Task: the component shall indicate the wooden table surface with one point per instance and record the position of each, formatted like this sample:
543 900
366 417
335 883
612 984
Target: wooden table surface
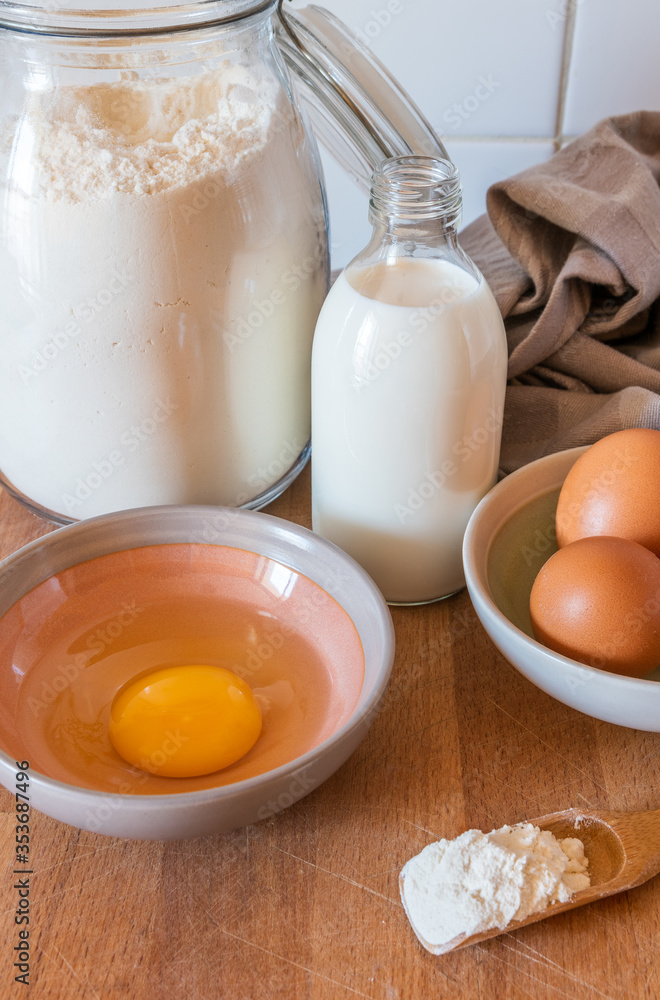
305 905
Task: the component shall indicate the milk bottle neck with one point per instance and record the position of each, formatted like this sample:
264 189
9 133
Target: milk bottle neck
391 243
420 240
415 209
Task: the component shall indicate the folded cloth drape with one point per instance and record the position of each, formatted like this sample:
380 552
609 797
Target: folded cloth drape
571 249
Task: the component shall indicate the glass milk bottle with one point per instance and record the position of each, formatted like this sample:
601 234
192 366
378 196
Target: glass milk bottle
408 380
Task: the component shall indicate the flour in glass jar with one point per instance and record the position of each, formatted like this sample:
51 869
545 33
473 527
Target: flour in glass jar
159 302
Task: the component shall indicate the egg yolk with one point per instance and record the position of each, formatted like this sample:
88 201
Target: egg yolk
181 722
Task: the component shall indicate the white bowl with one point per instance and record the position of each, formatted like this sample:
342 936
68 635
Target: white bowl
211 809
509 537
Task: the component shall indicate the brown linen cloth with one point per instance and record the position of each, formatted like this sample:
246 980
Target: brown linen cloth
571 249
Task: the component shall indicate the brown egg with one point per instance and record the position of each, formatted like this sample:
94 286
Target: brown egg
614 489
597 600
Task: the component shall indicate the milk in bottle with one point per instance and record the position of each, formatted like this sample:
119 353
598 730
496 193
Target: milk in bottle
408 381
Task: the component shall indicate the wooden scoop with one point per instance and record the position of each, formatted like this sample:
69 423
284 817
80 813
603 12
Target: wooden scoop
623 850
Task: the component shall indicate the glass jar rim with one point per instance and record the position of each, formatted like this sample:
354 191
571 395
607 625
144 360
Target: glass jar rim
105 18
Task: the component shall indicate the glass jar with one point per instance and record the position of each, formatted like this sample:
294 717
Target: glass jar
163 254
408 382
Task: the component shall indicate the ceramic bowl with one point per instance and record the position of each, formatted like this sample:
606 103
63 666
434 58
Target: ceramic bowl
509 537
86 608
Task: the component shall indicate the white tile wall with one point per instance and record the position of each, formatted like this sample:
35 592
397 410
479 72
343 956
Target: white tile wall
615 66
482 163
443 52
503 82
349 226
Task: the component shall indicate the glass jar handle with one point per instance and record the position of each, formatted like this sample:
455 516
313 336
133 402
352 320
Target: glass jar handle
356 108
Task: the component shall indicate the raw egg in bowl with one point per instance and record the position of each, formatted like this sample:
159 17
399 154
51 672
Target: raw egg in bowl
510 537
175 671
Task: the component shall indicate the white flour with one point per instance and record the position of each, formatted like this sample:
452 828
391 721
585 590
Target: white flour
158 301
145 138
478 881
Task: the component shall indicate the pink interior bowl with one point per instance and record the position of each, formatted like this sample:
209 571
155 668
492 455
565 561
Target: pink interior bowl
92 605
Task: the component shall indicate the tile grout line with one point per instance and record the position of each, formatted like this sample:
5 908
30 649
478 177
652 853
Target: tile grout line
566 60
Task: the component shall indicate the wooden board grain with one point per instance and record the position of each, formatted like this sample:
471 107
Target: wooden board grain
306 905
